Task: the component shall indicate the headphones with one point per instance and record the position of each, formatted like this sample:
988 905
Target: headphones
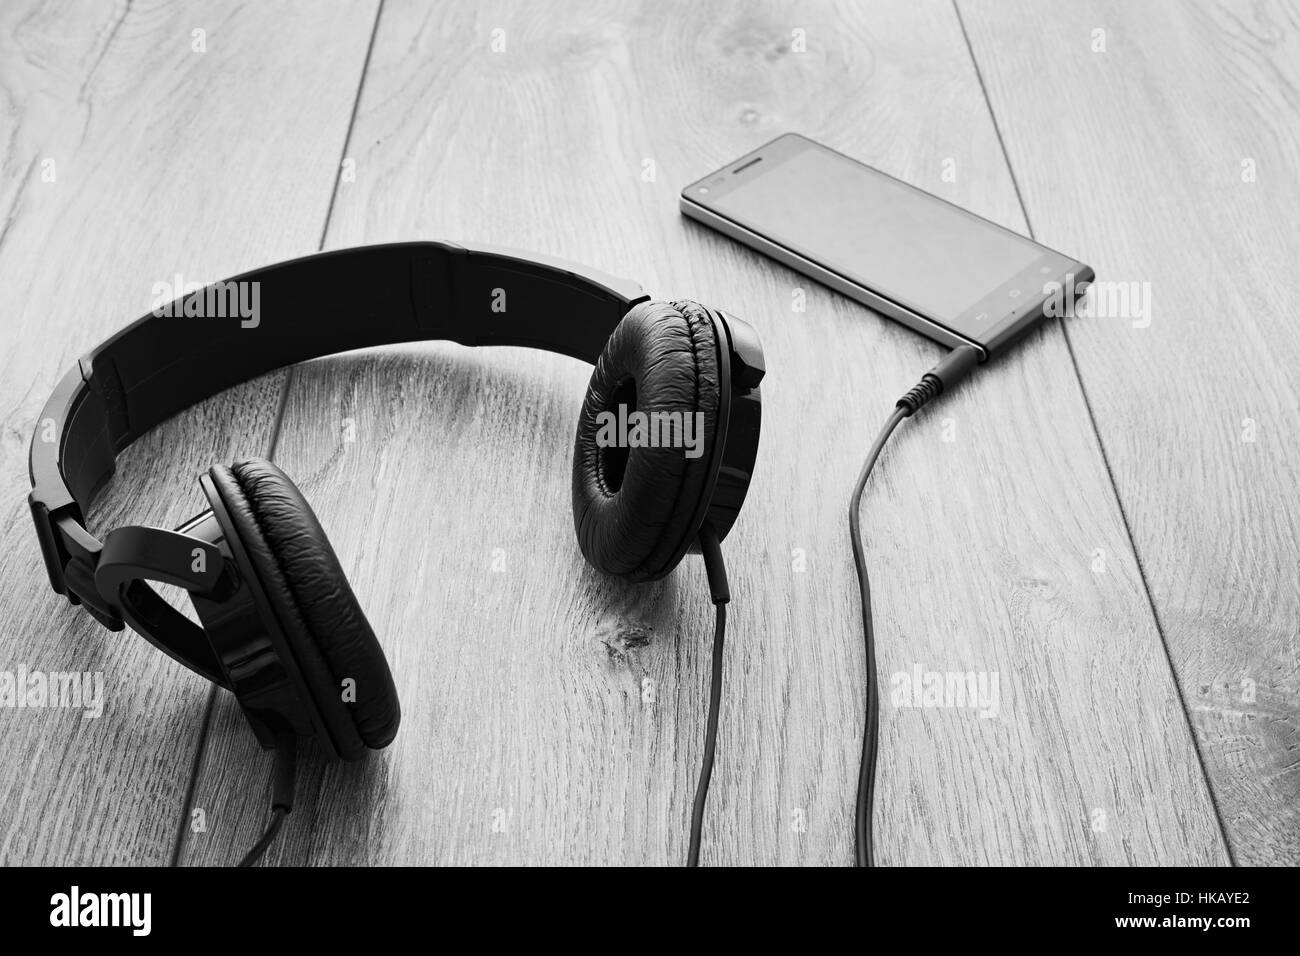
281 628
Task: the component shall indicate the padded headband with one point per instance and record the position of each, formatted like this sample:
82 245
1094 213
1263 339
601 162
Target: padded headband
306 308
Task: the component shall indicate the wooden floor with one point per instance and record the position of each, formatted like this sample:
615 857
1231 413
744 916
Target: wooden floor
1106 519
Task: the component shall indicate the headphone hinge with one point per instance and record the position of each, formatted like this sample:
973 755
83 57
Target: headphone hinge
71 554
80 581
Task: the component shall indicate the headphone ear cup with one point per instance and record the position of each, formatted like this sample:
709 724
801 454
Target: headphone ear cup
634 508
314 606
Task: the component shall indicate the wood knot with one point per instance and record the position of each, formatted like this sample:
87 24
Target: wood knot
622 640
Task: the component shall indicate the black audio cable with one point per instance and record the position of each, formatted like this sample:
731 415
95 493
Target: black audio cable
286 760
955 366
717 574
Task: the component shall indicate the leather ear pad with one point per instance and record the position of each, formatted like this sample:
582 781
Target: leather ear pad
317 611
633 507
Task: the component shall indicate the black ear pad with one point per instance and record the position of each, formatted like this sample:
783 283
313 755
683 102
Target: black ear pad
633 508
317 611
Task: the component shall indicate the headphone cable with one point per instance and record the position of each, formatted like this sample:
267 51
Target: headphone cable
955 366
286 762
716 570
871 732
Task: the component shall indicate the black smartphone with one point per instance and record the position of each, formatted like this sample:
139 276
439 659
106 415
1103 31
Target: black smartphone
945 272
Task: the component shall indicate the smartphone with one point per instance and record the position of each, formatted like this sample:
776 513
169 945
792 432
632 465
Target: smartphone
945 272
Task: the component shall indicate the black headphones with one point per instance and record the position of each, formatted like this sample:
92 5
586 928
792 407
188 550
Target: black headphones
281 627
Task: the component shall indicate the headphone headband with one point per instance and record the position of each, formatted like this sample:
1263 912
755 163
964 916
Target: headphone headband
305 308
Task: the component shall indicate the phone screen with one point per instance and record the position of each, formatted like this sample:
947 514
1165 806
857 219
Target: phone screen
906 246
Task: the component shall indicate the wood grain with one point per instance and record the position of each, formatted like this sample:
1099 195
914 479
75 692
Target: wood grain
1198 410
126 156
527 735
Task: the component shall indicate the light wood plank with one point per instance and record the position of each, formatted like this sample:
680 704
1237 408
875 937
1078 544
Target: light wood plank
165 160
522 689
1198 412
